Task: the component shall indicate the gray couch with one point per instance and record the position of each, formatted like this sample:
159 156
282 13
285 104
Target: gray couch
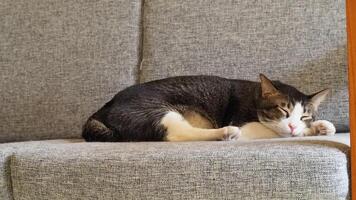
61 60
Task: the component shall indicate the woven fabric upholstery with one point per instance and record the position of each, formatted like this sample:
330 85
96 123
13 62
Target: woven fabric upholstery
7 150
5 175
62 60
271 169
302 43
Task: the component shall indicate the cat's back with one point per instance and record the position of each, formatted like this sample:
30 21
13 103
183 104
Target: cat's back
179 86
187 81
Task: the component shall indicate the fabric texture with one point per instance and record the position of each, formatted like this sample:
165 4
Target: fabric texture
302 43
9 150
5 173
62 60
266 169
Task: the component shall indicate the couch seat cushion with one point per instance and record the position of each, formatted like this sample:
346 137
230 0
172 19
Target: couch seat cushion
303 168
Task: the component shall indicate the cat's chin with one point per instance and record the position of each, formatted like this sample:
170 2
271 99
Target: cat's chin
285 135
279 131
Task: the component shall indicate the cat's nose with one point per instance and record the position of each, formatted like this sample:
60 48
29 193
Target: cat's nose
292 127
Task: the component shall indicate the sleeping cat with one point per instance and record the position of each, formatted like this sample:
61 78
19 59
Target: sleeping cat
203 108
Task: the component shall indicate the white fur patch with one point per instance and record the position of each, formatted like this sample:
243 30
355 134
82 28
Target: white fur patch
256 130
179 129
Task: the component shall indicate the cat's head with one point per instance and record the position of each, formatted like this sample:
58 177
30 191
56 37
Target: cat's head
284 109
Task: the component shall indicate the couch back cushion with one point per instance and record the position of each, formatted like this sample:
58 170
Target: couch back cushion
302 43
62 60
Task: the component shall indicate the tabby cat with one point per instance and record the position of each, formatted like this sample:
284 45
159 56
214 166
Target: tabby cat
203 108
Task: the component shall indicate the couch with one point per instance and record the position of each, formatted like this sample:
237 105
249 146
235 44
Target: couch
61 60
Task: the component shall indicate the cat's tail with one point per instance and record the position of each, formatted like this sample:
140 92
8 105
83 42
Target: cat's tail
96 131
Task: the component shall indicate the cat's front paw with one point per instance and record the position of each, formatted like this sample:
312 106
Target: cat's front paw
231 133
323 127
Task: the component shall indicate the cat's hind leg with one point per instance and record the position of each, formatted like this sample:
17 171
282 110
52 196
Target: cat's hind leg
179 129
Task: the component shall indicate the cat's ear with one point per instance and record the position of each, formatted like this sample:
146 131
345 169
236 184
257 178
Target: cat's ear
267 87
317 98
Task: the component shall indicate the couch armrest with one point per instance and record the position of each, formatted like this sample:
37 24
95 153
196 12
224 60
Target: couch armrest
351 30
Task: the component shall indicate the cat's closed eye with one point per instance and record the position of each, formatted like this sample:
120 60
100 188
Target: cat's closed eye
305 118
286 113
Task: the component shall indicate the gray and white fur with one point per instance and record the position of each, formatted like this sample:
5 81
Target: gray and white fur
206 108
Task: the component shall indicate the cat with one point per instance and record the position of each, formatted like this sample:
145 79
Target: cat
207 108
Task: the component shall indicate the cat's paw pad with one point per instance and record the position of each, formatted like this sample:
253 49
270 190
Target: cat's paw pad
231 133
324 127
